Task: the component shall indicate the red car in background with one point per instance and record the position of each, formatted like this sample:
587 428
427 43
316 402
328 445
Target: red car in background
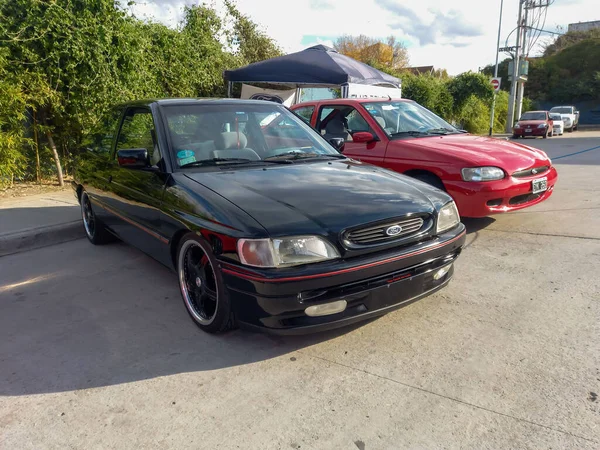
484 175
534 124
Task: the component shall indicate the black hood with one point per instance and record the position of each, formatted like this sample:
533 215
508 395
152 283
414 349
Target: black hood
319 197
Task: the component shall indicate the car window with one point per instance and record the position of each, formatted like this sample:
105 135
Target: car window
533 116
137 131
305 113
100 140
562 110
239 133
407 119
341 121
555 117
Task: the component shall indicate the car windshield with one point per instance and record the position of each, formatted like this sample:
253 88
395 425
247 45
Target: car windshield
400 119
555 117
562 110
533 116
241 133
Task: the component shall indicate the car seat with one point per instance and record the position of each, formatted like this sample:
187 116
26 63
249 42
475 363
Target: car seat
233 145
335 129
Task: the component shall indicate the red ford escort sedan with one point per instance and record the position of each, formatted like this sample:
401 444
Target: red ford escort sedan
484 176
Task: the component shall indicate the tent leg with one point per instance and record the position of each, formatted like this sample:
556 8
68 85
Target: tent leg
229 88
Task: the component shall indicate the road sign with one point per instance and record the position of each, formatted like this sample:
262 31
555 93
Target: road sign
496 83
508 49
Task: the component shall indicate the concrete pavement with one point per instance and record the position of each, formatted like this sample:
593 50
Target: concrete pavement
38 220
97 350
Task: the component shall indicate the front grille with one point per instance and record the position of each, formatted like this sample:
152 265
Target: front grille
379 233
530 172
524 198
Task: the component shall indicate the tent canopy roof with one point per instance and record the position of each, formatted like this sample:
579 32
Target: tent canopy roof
314 66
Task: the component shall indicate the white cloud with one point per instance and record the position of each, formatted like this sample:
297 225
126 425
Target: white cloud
458 35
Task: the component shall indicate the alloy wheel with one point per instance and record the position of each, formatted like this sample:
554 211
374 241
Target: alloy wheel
89 220
198 284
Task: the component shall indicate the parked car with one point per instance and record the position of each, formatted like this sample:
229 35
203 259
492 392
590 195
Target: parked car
558 125
266 226
534 124
484 175
570 116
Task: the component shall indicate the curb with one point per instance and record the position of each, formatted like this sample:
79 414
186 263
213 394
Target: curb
32 238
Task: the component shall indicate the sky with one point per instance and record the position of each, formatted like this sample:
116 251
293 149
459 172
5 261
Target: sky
456 35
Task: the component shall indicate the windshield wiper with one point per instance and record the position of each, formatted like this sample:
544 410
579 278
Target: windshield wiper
290 156
410 133
215 161
441 131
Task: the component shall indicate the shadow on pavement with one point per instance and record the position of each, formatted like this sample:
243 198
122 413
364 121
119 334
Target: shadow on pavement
477 224
91 317
15 219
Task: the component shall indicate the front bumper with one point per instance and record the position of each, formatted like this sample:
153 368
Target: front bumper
522 132
494 197
275 301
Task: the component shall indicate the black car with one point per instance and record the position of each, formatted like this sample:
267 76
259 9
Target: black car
266 224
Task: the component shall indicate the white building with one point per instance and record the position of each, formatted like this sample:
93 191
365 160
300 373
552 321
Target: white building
584 26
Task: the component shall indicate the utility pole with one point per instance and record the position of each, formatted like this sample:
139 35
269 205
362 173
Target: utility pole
521 83
515 75
496 69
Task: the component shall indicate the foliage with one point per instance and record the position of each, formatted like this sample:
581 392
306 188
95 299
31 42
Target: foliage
66 61
474 115
466 86
391 53
430 92
566 73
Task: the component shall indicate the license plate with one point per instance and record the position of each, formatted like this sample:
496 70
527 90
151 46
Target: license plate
539 185
528 130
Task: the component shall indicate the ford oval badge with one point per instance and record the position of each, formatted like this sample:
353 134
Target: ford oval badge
267 97
393 230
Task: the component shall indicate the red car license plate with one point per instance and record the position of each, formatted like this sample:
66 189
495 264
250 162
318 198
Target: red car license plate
539 185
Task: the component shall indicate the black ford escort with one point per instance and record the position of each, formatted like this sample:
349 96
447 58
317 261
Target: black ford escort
266 224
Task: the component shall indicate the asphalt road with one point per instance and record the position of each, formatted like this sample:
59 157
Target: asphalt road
97 351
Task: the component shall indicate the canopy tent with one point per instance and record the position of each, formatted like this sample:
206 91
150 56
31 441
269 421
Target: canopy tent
317 66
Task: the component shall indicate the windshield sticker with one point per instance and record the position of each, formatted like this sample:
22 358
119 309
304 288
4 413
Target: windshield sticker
389 107
188 160
185 154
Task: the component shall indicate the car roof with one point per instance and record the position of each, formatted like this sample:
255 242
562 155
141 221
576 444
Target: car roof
192 101
535 112
334 101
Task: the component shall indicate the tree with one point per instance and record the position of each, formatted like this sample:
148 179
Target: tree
252 44
64 62
390 53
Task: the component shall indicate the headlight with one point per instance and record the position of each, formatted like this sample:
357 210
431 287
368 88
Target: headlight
283 252
447 217
517 125
482 173
542 125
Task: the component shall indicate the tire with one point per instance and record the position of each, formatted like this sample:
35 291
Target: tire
515 136
95 230
430 179
570 130
201 285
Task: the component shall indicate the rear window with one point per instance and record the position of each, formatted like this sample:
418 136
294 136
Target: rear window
533 116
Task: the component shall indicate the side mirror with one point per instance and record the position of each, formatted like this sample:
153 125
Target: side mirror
363 136
133 158
338 144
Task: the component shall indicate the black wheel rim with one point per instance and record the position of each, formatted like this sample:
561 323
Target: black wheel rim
198 283
89 221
